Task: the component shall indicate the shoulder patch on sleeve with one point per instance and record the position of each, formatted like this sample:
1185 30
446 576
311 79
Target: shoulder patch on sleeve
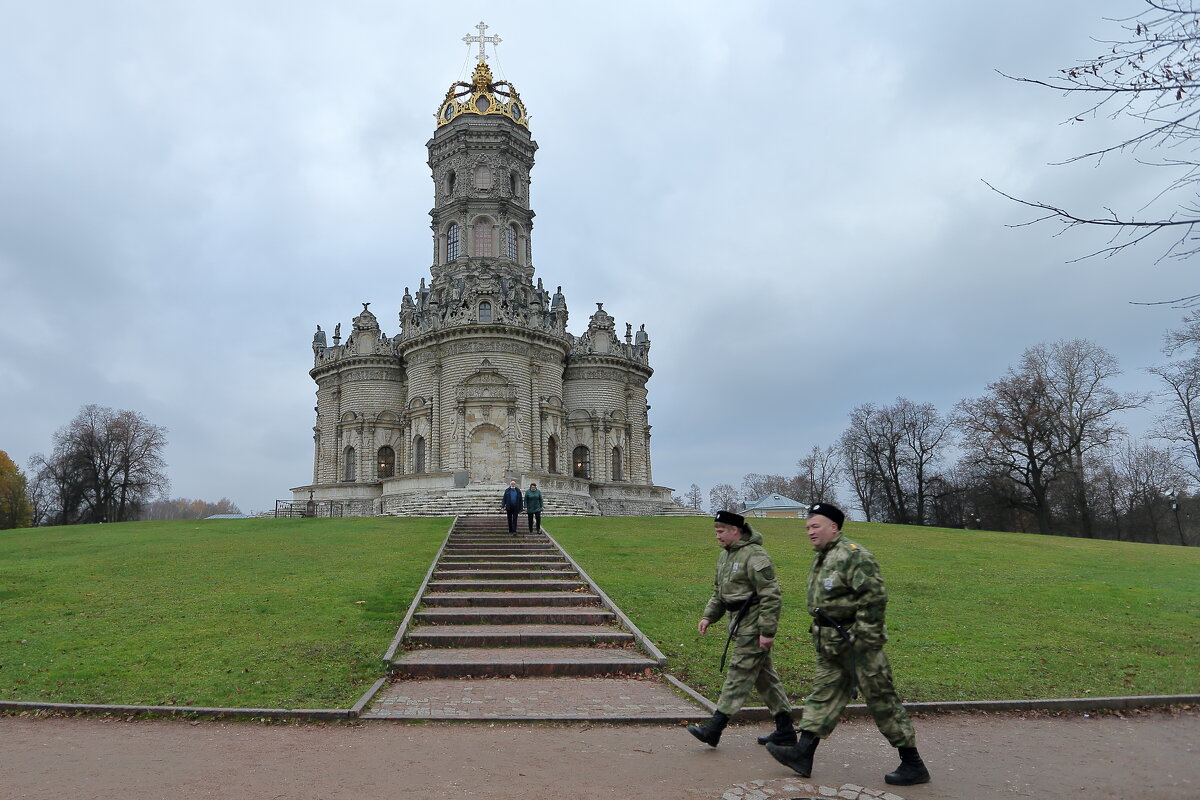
760 561
853 546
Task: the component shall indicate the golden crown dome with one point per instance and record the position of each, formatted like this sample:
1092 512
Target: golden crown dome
483 96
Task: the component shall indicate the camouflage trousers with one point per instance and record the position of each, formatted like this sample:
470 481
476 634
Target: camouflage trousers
750 668
837 667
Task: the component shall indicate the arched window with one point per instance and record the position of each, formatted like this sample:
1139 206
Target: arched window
485 311
452 242
350 471
552 454
616 465
483 177
451 182
419 454
581 462
482 231
510 242
386 462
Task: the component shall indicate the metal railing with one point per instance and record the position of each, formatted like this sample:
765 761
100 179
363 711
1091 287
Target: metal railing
310 508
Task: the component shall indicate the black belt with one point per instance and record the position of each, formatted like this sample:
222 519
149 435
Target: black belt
832 622
735 606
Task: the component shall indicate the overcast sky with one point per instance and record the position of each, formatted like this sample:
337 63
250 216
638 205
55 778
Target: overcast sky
777 190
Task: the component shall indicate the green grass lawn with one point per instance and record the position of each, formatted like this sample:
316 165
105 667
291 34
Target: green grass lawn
298 613
249 613
972 615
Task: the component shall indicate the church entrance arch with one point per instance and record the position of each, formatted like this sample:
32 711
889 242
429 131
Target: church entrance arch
489 457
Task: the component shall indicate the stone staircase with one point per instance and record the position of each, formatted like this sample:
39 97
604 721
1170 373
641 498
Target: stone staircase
499 605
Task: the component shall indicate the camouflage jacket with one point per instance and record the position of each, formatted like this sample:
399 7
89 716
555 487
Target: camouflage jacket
846 584
744 571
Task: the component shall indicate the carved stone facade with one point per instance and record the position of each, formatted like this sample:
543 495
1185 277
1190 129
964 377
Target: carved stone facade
483 383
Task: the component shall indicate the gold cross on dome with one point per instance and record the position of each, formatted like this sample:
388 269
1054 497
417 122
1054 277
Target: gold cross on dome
482 40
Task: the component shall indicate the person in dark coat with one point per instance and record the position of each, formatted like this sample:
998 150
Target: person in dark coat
511 503
533 508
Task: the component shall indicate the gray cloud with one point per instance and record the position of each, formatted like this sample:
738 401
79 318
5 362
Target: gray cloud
189 188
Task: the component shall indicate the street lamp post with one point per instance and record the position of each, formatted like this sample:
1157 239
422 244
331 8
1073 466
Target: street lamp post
1175 507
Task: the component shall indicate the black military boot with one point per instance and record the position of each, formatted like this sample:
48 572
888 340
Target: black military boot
710 732
784 733
911 770
799 756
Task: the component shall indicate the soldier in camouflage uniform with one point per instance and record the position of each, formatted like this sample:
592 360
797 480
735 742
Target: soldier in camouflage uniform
847 599
746 589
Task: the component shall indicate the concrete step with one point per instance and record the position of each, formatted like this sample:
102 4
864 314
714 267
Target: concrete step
522 615
532 635
502 574
520 661
513 586
496 558
508 599
456 566
516 550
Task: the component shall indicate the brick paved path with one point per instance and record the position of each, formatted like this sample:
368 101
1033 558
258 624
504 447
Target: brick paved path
509 629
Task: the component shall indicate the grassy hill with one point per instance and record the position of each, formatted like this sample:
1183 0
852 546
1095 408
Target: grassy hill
251 613
298 613
971 614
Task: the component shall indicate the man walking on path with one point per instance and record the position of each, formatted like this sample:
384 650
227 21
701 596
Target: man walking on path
533 508
746 588
847 599
511 503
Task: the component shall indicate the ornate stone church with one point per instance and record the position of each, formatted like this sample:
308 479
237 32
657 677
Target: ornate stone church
484 383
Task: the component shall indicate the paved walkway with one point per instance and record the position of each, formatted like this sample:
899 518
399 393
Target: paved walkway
615 699
1154 756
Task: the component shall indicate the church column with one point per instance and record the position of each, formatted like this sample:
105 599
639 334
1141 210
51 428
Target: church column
607 454
316 454
462 434
372 450
543 461
595 451
433 453
511 436
649 470
405 445
536 445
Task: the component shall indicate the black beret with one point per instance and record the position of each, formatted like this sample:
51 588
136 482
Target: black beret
830 512
730 518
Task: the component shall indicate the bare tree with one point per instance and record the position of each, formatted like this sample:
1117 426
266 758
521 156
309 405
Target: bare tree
1149 475
1010 433
105 466
182 508
1074 374
1179 421
895 448
693 498
755 486
1148 73
862 476
38 490
873 443
822 469
723 497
